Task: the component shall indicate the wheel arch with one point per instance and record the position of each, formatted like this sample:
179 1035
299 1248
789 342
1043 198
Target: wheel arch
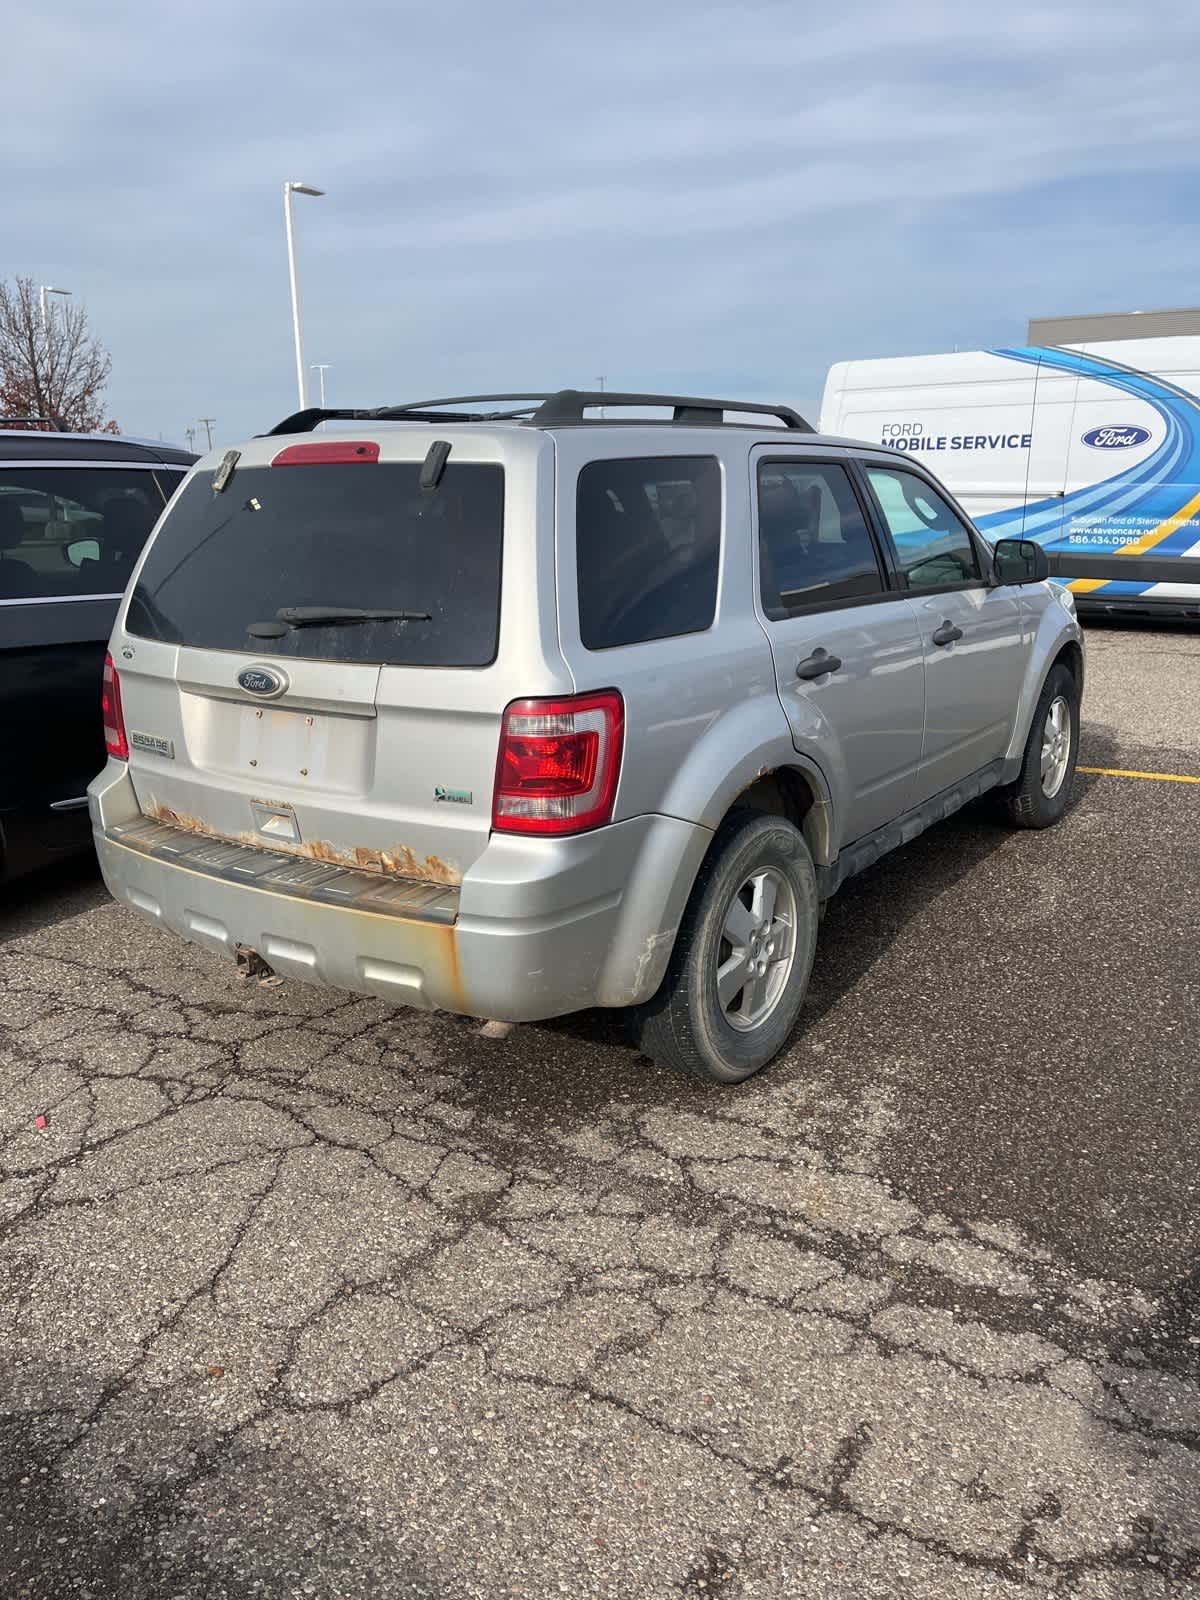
1071 657
797 794
794 790
1057 644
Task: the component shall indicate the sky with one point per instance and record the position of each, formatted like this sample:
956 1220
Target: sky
677 195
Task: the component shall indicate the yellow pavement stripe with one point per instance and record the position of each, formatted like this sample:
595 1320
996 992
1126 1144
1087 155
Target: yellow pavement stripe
1164 529
1120 772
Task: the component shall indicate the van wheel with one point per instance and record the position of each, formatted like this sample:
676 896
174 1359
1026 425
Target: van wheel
1040 794
742 958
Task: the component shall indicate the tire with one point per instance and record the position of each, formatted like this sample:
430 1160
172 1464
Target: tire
1039 796
689 1025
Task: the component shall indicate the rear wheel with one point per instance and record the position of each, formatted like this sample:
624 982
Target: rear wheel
1040 794
742 958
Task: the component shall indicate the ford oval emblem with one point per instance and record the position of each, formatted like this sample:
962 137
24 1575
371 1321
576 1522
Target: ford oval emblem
263 681
1116 437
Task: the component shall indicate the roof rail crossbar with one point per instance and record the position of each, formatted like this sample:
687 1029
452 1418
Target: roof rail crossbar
418 411
543 410
433 414
469 400
569 405
305 421
435 410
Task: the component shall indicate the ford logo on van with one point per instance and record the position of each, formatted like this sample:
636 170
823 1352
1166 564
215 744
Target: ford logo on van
1116 437
264 681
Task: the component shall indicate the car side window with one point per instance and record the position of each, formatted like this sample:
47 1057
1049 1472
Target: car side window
647 548
68 532
934 550
814 546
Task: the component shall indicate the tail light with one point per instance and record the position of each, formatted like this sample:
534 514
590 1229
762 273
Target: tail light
558 764
115 741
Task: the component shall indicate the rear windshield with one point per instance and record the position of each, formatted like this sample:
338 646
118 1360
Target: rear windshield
75 532
367 537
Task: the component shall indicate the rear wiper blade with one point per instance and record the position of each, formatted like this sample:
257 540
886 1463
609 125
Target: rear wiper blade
303 616
314 616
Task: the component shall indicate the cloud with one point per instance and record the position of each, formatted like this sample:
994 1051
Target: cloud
531 194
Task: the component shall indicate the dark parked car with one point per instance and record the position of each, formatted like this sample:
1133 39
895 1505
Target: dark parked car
75 510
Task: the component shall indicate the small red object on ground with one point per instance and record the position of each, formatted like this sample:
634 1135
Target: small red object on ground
41 1123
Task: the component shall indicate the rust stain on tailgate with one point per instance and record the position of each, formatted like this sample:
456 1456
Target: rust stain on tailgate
398 862
176 819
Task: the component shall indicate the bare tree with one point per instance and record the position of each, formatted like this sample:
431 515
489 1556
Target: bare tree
55 370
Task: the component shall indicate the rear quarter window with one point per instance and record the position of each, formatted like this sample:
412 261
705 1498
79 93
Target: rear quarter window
647 548
75 532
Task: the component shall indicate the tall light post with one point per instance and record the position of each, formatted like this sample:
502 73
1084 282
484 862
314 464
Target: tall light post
289 189
206 423
190 435
600 381
43 291
322 367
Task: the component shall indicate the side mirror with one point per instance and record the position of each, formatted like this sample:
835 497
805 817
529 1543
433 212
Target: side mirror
1020 561
83 550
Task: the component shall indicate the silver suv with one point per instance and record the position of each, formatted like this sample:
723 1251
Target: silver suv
548 710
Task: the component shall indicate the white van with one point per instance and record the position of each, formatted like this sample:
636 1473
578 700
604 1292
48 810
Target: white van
1091 449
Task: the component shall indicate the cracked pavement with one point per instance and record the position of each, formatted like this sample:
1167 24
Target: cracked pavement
305 1296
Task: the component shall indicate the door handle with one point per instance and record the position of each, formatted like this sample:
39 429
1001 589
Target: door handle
947 633
817 665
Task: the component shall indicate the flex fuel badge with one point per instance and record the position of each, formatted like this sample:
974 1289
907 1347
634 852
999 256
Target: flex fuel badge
458 797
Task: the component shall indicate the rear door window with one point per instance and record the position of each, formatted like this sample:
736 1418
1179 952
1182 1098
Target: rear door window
647 548
332 536
75 532
814 546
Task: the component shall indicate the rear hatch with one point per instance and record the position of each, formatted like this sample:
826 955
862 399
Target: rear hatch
261 709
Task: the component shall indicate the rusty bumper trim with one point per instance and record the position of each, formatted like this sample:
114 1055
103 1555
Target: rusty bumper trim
288 875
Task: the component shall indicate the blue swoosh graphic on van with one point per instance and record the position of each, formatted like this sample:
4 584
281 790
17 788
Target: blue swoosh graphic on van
1160 492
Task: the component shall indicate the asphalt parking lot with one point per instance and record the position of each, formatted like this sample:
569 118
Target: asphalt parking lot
303 1296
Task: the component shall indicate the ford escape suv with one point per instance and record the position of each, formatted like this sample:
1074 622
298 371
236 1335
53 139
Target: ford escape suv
509 707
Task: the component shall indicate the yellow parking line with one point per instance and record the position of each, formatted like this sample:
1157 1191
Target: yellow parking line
1120 772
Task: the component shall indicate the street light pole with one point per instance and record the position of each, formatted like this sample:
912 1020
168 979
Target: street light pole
208 422
43 291
190 435
289 189
322 367
600 381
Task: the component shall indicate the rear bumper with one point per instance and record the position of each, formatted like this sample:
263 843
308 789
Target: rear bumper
541 926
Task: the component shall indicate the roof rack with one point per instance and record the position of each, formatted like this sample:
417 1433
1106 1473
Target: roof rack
35 424
543 410
569 405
